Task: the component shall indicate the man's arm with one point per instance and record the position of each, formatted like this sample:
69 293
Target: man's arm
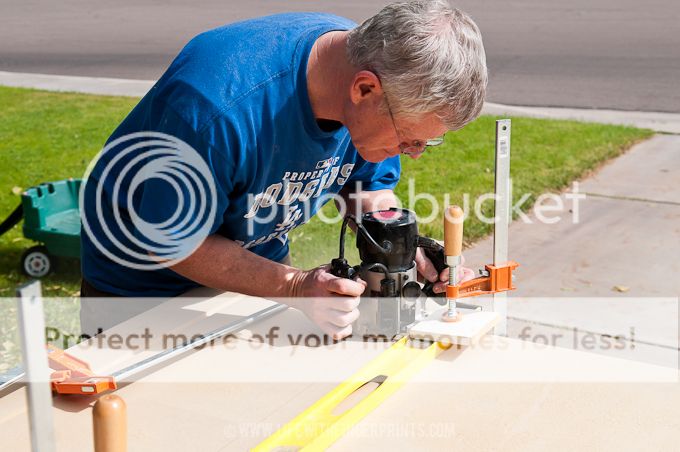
221 263
329 301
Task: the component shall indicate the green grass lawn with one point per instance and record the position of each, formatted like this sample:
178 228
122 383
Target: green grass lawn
44 137
47 136
547 156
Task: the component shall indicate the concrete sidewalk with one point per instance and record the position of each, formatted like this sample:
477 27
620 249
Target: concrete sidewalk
75 84
624 250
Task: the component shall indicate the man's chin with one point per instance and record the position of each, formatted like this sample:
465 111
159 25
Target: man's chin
374 156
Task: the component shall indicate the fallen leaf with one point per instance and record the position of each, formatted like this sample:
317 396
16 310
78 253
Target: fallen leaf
620 289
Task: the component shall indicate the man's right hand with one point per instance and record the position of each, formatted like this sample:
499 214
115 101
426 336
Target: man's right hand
329 301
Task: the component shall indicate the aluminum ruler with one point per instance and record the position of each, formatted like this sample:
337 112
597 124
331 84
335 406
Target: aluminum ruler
17 376
502 216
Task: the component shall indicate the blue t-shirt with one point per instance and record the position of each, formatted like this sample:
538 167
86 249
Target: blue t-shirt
238 96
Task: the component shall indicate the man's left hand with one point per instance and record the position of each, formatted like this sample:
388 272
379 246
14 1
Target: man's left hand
427 270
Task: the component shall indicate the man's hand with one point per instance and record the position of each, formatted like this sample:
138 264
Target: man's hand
330 302
427 270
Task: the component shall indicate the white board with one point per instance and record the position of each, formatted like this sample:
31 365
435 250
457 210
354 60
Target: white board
465 331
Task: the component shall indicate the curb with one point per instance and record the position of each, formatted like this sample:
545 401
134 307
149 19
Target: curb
75 84
657 121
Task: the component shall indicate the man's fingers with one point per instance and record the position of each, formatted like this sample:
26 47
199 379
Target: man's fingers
439 287
342 319
336 332
344 286
425 266
463 273
344 304
466 274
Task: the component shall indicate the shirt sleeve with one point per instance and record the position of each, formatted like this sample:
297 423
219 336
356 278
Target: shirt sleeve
375 176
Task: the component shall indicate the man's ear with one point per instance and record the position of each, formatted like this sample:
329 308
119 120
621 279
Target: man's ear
365 85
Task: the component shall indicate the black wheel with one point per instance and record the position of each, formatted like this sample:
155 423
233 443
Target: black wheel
36 262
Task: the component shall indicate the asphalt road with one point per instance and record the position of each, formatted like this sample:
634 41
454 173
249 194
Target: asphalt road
616 54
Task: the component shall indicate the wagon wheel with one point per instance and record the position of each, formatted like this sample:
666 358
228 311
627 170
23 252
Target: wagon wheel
36 262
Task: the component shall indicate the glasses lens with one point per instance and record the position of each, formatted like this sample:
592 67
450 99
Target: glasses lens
434 141
419 148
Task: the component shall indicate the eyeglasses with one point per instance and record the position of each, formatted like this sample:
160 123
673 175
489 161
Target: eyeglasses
416 147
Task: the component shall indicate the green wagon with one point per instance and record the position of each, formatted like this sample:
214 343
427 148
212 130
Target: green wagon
51 217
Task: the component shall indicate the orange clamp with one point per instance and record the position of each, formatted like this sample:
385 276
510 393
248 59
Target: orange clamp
498 280
74 376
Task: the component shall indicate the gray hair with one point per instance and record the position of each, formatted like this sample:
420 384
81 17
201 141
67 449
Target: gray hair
429 57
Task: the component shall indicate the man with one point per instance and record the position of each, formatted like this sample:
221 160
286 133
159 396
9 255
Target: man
284 111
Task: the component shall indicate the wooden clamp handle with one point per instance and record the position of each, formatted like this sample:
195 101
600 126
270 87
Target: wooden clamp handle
453 231
109 417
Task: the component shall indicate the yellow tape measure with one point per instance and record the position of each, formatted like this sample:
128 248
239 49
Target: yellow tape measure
323 423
